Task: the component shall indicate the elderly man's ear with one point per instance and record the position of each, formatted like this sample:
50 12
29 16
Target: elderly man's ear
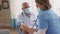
22 8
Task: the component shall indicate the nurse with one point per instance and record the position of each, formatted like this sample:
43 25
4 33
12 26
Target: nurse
25 19
48 20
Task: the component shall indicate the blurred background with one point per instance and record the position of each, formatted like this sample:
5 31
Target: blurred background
10 9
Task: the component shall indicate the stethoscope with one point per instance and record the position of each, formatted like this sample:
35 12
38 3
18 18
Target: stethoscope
35 22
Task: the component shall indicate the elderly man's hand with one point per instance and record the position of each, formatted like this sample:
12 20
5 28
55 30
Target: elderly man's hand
22 27
30 30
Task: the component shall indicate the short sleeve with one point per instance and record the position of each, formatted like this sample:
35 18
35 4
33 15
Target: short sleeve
19 20
43 22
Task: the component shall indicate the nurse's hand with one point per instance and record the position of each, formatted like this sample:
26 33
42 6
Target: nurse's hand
34 30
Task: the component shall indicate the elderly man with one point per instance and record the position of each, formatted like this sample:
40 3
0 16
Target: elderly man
26 20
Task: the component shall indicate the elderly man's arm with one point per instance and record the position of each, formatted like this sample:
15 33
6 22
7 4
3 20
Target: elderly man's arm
19 20
25 28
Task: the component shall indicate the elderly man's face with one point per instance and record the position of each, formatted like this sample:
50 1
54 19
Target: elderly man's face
25 5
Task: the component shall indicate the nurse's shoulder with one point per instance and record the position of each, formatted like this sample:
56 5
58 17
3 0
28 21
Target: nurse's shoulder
47 11
48 14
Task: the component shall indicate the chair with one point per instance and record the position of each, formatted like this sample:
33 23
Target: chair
4 32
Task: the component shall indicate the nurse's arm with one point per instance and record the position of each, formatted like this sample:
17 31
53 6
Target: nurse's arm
43 23
42 31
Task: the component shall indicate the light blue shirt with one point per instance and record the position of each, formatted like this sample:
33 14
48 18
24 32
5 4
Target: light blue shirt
28 21
50 21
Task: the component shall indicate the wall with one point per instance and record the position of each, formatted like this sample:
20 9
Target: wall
5 18
57 7
16 6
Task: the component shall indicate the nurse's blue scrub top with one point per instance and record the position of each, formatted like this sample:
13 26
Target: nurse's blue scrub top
50 21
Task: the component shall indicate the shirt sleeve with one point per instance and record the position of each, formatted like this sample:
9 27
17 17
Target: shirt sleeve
19 20
43 22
